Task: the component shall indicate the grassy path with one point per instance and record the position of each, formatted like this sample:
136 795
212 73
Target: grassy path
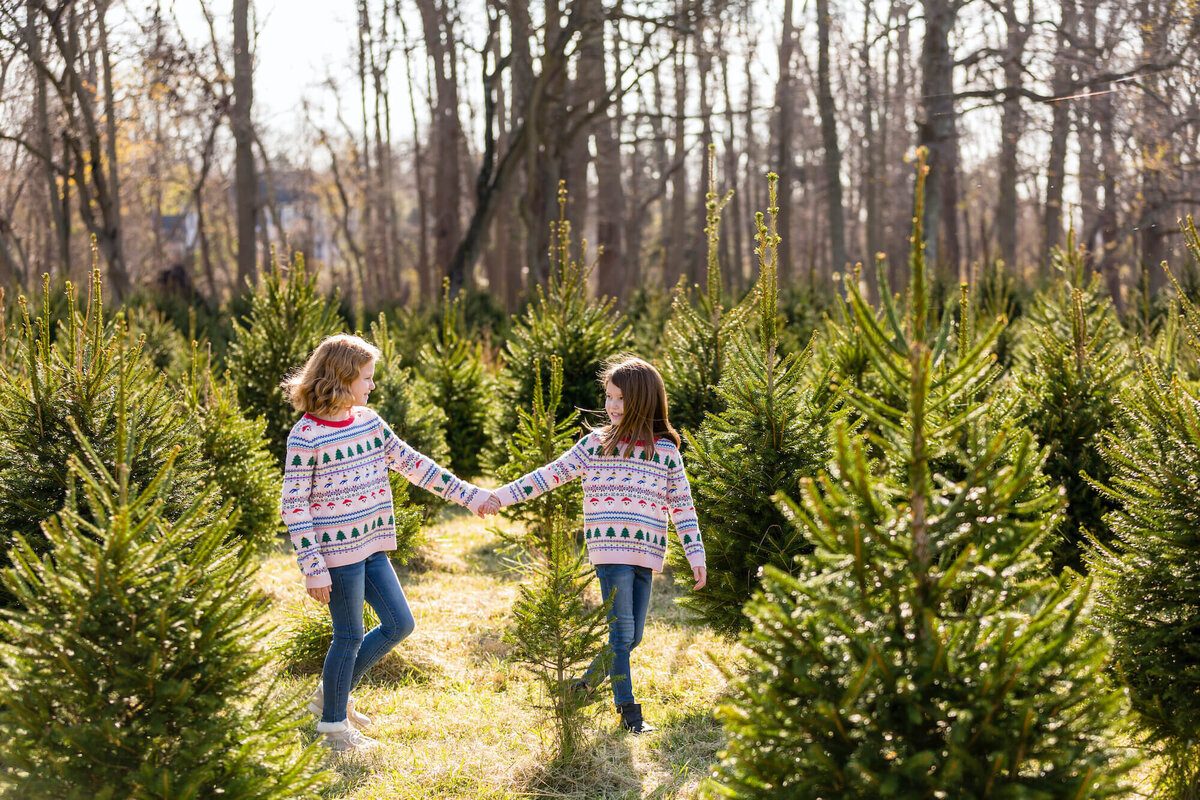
458 720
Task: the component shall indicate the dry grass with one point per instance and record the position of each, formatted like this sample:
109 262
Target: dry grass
456 720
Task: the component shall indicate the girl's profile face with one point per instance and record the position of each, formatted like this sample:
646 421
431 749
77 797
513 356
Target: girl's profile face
362 385
614 402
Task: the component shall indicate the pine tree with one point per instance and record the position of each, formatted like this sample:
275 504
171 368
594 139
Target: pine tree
69 381
288 317
539 439
922 651
234 452
131 666
1069 369
770 434
1150 577
560 321
697 336
406 401
454 369
555 636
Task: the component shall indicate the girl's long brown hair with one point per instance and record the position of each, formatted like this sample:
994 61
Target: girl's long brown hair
645 416
322 386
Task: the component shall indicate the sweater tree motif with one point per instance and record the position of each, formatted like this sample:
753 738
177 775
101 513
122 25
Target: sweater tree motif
626 501
337 503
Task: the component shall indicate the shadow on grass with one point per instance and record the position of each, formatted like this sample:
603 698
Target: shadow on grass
685 746
602 769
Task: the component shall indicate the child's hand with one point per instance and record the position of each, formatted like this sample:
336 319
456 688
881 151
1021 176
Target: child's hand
492 506
701 576
320 594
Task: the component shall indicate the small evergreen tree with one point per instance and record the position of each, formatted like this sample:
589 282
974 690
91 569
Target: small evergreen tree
921 651
68 382
288 317
770 434
131 668
1150 578
234 451
560 321
407 402
539 439
555 636
697 336
1068 371
454 369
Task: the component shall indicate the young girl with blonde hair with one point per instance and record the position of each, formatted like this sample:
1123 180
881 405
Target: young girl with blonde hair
633 481
337 505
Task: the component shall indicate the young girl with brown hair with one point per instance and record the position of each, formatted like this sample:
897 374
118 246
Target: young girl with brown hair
633 481
337 505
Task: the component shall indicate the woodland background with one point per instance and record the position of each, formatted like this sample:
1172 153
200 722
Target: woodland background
438 150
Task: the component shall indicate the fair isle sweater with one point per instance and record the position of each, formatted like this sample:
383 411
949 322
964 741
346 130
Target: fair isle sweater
337 503
626 501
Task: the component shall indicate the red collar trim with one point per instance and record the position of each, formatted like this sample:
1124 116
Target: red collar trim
341 423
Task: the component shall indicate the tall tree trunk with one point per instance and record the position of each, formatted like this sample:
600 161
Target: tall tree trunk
610 194
785 109
675 261
447 132
55 200
1155 152
111 134
872 151
1060 120
704 60
1011 124
936 132
829 139
734 271
425 281
245 180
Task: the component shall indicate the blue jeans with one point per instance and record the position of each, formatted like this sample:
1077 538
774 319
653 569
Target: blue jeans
629 586
351 653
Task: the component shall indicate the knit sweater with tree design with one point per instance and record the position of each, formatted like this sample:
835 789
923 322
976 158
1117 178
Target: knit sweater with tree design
337 503
626 501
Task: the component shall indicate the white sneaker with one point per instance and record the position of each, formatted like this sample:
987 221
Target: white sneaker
316 705
341 737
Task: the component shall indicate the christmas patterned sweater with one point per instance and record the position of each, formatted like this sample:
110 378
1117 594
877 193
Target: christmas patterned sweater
626 501
337 503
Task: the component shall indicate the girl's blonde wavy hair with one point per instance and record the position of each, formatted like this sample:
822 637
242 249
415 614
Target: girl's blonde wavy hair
322 385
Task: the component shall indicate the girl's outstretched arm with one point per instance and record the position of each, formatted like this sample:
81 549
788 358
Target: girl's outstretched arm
421 470
564 469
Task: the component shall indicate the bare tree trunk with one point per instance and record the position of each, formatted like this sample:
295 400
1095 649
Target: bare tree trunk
936 132
872 151
1011 124
1059 131
111 133
1156 154
55 200
610 194
675 260
829 139
704 61
785 107
447 133
734 271
246 181
425 288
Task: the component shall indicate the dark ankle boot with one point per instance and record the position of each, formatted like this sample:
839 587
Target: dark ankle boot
631 718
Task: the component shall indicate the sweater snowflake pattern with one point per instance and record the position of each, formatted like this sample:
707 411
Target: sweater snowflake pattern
626 501
337 503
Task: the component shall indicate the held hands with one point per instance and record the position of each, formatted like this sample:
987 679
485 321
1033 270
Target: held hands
491 506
